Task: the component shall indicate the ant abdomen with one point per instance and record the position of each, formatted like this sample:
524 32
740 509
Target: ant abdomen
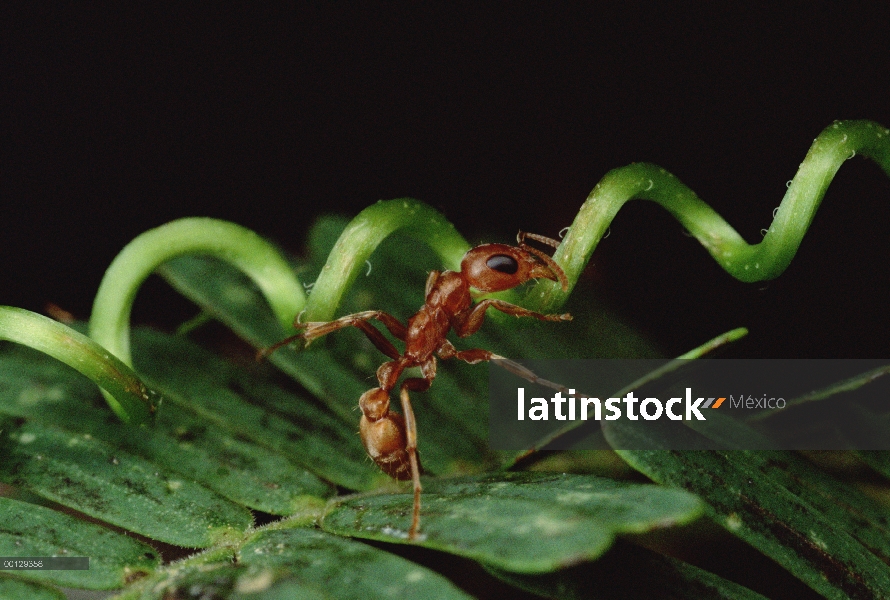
386 442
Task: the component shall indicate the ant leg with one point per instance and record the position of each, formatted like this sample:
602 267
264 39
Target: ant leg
518 311
527 374
380 342
469 323
471 356
264 352
417 385
317 329
522 235
477 355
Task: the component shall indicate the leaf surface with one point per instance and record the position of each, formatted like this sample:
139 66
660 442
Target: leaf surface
631 573
112 485
825 533
12 588
302 562
31 530
46 391
524 522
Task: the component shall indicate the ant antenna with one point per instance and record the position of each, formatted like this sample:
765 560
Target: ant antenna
547 259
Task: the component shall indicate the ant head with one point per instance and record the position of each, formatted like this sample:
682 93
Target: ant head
498 267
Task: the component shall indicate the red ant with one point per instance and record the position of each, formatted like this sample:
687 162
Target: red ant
390 438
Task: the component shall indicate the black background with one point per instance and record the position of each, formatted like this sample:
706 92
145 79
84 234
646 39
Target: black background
503 117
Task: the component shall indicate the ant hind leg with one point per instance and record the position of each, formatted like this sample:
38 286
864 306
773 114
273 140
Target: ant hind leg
415 384
316 329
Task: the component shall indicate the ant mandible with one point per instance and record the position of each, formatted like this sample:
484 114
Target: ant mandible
391 438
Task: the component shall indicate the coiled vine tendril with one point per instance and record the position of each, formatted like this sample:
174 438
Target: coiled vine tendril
839 142
109 323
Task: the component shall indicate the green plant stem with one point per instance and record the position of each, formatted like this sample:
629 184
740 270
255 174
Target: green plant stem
110 320
748 262
365 232
130 399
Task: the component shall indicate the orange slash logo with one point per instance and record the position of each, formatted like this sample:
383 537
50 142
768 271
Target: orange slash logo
711 404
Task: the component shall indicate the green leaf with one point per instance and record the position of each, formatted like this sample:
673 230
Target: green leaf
524 522
847 385
32 530
110 484
879 460
631 573
224 580
305 563
244 406
43 390
825 533
17 589
318 557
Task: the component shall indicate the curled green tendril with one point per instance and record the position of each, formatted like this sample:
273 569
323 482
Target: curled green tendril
748 262
130 399
365 232
110 320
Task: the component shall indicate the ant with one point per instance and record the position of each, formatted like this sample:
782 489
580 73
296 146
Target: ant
391 438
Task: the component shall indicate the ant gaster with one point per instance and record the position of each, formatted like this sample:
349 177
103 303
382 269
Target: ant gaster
391 438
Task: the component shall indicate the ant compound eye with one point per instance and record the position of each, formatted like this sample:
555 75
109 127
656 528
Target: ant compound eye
503 263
